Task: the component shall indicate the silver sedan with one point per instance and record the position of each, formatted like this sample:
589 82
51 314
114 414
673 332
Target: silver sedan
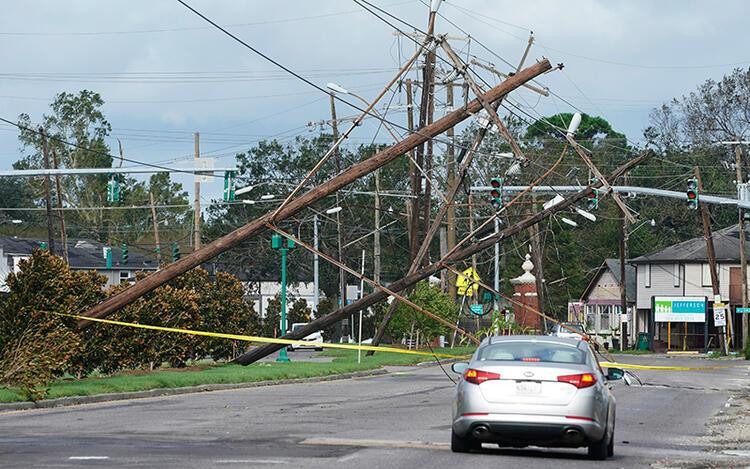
534 390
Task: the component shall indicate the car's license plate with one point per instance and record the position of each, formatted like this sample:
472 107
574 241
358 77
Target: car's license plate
528 387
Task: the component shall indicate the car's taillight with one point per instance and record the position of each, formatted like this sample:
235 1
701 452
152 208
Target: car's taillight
582 380
478 376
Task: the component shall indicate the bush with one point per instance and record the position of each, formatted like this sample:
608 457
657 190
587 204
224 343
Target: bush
406 320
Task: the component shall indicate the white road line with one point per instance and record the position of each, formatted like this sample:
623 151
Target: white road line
376 443
88 458
251 461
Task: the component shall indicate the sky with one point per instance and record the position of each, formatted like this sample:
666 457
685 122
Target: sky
164 73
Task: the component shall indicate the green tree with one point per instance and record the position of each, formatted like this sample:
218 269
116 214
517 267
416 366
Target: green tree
407 320
38 343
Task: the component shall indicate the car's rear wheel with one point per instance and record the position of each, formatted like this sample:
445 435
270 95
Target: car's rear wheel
600 450
463 444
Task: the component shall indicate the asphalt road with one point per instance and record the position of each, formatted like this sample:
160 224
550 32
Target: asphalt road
397 420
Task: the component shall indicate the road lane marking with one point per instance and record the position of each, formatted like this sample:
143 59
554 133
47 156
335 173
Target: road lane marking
251 461
367 443
88 458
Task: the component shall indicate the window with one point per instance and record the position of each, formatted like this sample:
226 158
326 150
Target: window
124 276
604 320
676 275
647 280
528 351
705 275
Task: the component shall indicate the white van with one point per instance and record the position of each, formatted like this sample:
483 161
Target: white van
314 337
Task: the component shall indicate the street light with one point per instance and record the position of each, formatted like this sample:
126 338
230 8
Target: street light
333 210
651 222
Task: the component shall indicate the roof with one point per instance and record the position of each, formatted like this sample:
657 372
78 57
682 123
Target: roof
613 265
82 254
726 245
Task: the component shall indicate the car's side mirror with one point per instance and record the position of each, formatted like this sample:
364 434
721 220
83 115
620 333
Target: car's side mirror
459 367
614 374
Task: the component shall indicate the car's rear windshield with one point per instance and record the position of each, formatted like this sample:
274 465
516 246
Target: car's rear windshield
568 327
297 327
532 352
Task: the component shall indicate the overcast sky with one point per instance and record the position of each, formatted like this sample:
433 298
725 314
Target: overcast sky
164 73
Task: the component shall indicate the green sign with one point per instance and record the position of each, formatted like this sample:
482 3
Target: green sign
679 309
743 310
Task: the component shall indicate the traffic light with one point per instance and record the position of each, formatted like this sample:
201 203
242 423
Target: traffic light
692 193
593 200
175 252
124 254
113 188
496 193
229 186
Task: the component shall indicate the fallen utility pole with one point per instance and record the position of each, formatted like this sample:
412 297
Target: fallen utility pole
354 172
456 256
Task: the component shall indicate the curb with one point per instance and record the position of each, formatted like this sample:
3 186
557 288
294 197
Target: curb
121 396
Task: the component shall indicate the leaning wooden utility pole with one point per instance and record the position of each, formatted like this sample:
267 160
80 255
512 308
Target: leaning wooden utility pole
197 200
425 272
47 194
743 252
711 253
60 211
315 194
157 247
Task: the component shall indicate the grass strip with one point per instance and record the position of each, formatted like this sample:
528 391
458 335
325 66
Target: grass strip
344 361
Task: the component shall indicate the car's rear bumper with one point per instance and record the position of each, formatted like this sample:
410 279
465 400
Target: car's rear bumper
521 430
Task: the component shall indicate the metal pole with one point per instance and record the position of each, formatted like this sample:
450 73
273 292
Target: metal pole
361 295
60 212
623 285
316 266
496 305
282 353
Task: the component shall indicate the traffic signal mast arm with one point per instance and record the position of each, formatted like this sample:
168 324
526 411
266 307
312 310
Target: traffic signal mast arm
354 172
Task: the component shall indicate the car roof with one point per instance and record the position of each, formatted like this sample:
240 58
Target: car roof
534 338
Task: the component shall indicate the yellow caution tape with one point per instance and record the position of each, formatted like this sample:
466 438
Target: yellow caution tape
267 340
658 367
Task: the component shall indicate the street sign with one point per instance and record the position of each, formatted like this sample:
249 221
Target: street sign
743 310
679 309
720 316
466 282
477 309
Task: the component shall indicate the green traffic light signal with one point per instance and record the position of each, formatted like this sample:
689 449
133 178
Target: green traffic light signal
692 193
593 200
124 254
496 192
175 252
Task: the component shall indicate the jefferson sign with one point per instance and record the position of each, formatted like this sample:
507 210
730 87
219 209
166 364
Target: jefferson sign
679 309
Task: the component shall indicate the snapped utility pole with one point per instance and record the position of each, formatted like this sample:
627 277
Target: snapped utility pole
313 195
425 272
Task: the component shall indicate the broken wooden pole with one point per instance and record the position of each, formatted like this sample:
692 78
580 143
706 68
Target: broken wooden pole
354 172
411 279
